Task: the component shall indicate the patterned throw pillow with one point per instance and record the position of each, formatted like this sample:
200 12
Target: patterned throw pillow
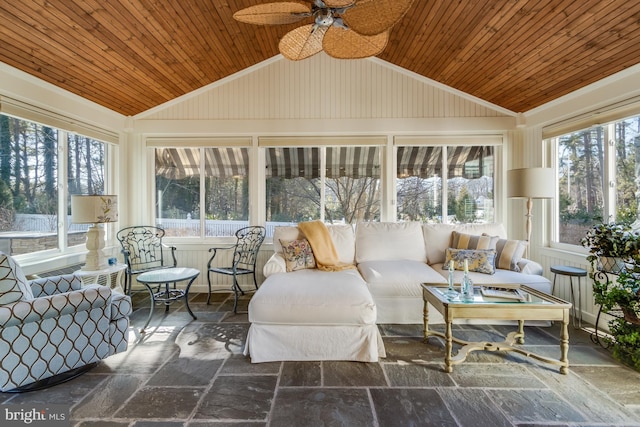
14 286
298 254
509 253
479 260
472 241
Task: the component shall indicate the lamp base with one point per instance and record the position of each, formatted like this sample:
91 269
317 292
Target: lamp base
95 242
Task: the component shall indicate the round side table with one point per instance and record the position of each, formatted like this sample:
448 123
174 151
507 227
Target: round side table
571 272
110 276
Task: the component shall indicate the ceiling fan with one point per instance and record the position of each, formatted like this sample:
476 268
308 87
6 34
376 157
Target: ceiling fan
344 29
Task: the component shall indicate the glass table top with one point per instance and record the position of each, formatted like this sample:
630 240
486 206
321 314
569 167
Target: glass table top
532 297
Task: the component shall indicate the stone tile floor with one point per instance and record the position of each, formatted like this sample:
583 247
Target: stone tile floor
192 373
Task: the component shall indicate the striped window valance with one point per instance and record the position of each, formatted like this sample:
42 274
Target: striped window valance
178 163
343 161
304 162
426 161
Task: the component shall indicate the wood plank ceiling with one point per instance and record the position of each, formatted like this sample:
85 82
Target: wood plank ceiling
132 55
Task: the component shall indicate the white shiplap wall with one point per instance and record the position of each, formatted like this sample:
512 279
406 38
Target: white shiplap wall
324 88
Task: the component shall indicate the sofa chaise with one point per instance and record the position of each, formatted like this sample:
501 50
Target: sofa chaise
309 314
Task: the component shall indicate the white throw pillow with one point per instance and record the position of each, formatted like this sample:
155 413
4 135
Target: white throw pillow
376 241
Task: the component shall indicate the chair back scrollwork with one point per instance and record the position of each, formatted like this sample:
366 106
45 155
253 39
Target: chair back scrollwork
144 250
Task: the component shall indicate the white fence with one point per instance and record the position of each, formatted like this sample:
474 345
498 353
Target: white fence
187 227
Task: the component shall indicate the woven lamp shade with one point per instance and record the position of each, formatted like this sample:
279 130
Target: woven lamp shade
347 44
370 17
272 13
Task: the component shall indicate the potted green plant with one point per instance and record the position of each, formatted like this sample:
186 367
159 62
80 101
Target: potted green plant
611 245
625 342
623 293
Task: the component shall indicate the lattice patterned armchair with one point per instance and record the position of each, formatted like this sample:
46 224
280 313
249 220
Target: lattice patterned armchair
53 326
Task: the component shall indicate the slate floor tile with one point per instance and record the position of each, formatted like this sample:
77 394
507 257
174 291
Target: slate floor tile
312 407
186 371
473 408
67 393
416 375
595 404
495 376
410 407
534 406
106 399
161 402
413 349
620 383
240 364
102 423
301 374
238 398
353 374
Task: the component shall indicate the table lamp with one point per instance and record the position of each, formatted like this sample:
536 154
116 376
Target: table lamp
531 183
96 210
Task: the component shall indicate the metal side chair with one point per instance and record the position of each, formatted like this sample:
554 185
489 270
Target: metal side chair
245 255
144 251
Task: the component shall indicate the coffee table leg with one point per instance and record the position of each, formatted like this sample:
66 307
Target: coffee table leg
448 366
564 345
520 339
425 318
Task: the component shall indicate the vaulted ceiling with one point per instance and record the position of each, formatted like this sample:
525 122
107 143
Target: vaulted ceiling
132 55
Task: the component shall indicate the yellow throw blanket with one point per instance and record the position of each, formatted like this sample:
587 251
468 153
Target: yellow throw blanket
322 246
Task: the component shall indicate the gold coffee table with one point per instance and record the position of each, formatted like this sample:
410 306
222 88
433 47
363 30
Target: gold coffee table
536 306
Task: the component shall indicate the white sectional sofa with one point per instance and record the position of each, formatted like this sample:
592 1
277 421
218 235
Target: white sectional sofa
311 314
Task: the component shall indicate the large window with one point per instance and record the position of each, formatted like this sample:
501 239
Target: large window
468 177
202 192
346 190
598 177
31 212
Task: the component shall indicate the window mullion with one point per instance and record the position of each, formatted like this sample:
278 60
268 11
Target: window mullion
323 181
63 218
610 172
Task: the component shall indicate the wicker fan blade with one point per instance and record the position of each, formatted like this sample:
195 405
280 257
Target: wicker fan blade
370 17
273 13
338 3
347 44
302 42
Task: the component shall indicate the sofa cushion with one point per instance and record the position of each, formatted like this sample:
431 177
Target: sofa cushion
499 277
313 297
14 286
473 241
437 237
297 254
398 278
479 260
509 253
341 234
389 241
